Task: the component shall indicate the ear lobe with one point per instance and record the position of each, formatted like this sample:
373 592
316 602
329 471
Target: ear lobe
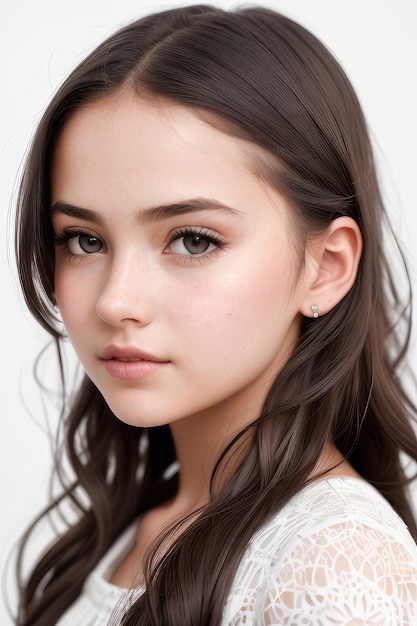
335 256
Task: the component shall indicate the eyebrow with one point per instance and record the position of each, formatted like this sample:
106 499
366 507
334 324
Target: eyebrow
148 215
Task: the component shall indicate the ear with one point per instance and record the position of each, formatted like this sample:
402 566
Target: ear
333 260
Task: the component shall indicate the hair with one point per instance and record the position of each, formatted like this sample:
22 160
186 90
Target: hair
257 75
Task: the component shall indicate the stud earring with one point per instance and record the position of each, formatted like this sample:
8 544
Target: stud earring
315 310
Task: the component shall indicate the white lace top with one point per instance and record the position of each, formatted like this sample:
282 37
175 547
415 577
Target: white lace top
337 554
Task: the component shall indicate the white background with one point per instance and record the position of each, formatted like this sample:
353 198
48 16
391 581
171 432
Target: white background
40 40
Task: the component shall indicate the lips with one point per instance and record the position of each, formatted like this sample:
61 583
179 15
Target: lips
130 363
129 354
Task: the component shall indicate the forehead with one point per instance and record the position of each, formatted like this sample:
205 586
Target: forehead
146 125
150 146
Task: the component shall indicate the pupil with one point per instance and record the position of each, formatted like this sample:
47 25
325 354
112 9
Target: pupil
196 244
90 244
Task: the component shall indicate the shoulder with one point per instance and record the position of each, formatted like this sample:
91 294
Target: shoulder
336 552
341 507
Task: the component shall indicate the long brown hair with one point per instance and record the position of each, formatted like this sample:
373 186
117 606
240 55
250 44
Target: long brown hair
257 75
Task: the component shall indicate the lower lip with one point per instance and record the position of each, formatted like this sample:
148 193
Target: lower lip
133 370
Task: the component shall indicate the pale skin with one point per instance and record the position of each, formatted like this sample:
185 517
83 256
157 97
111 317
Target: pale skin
209 290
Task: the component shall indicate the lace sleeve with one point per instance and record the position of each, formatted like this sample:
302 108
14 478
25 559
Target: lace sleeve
347 574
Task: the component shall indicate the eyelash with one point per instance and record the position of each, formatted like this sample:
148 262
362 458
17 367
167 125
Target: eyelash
204 233
67 234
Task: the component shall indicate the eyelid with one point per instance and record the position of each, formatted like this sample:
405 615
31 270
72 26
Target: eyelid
72 232
205 233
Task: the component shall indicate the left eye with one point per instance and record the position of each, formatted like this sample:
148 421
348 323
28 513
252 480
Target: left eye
84 244
192 244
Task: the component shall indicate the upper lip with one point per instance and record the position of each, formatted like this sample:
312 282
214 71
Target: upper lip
129 352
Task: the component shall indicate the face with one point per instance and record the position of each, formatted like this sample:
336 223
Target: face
176 273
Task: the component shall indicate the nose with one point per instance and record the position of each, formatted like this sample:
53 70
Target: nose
125 293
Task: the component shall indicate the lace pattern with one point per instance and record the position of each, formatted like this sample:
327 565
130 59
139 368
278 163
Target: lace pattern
336 554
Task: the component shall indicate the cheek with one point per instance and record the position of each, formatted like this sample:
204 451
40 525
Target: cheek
73 298
243 305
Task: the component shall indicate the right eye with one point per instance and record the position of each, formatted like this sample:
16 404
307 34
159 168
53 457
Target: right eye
84 244
79 243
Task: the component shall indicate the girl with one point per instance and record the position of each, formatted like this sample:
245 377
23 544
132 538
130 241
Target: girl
200 207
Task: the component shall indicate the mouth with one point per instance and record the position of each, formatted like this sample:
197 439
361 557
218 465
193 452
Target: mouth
131 364
127 360
129 354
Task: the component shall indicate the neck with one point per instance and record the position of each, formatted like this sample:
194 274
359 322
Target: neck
199 441
198 451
